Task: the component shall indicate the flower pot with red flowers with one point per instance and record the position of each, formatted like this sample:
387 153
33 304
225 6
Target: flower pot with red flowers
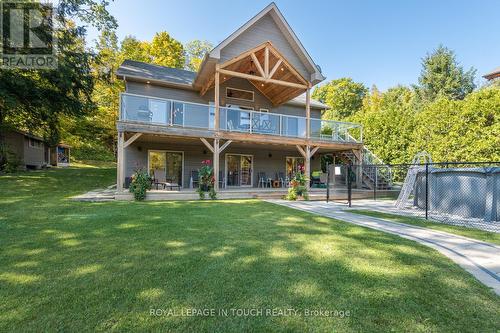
298 187
206 180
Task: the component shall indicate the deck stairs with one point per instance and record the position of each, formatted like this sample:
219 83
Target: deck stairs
374 171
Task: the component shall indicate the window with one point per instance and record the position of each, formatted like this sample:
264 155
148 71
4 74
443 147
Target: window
264 110
33 143
245 95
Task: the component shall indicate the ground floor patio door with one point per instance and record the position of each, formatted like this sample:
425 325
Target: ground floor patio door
293 165
166 166
239 170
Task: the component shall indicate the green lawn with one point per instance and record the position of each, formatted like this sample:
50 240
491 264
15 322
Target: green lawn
72 266
481 235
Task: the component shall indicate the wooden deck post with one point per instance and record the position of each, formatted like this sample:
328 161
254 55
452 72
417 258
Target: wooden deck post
308 112
307 167
120 159
306 153
216 164
217 97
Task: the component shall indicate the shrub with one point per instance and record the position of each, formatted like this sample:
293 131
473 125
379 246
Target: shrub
140 183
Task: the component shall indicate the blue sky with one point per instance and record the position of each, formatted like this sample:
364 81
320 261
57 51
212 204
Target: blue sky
374 42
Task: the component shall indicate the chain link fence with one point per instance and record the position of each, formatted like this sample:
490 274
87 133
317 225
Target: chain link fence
458 193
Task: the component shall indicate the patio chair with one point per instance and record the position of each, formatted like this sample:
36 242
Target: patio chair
315 178
263 181
160 178
194 179
282 179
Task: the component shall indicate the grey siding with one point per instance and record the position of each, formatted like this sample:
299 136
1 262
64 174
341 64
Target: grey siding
268 160
260 101
260 32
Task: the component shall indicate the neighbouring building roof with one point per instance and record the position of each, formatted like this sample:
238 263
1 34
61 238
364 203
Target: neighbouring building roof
29 135
181 77
493 74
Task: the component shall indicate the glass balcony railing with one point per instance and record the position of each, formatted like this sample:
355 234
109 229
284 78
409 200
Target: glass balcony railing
248 121
168 112
337 131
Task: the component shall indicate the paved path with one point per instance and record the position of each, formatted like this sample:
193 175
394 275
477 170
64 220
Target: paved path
103 194
478 258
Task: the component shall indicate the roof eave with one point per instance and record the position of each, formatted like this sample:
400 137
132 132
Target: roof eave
154 81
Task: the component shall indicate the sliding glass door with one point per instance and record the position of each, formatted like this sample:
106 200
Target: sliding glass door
166 166
239 170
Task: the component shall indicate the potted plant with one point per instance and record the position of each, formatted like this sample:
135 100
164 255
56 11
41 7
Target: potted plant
206 180
298 187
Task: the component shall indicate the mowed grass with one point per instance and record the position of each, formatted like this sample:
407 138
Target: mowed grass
73 266
485 236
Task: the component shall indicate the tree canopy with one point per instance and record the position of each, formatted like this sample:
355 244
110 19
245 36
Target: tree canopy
195 51
442 76
344 96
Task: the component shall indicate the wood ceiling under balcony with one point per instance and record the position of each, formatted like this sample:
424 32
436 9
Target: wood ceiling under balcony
267 70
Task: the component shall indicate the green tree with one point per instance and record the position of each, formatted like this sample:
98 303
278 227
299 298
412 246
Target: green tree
466 130
94 135
166 51
344 96
388 124
195 51
133 49
442 76
37 99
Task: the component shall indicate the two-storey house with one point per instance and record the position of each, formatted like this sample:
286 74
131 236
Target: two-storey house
248 110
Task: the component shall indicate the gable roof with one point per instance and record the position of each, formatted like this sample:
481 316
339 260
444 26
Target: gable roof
142 70
181 78
287 31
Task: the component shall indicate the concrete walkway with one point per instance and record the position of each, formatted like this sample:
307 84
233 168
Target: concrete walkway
478 258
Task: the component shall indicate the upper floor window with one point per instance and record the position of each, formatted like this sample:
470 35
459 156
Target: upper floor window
245 95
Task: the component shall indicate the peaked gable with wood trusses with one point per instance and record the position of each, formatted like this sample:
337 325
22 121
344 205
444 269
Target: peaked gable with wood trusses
264 50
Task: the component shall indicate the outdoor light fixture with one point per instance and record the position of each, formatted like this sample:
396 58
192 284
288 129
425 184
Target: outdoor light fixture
270 155
204 152
148 82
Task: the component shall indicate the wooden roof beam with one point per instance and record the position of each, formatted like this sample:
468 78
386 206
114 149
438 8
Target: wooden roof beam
259 78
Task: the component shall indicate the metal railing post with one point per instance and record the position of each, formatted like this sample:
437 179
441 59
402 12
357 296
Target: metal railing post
349 184
375 185
327 182
426 191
